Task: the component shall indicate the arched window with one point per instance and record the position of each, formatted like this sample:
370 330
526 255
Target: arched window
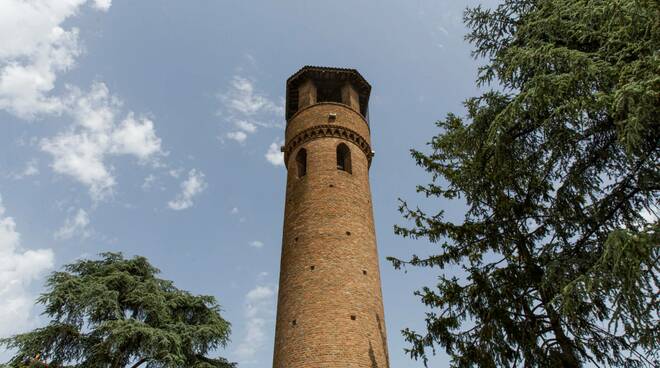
344 158
301 162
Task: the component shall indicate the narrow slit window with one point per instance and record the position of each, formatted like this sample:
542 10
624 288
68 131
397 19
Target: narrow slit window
301 162
344 158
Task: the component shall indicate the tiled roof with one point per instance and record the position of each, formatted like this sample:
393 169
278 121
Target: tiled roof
315 70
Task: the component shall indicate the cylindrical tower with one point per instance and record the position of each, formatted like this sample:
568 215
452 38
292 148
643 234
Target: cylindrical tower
330 307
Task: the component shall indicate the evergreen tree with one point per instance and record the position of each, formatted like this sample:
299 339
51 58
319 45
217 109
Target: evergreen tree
114 312
558 165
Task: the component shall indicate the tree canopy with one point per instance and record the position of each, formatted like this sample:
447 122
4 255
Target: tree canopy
115 312
557 163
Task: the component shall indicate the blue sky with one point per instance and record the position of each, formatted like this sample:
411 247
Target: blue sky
153 128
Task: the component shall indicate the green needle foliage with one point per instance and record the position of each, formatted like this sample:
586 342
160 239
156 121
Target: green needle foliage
114 312
556 259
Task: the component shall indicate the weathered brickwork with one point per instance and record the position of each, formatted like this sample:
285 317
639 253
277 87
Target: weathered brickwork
330 309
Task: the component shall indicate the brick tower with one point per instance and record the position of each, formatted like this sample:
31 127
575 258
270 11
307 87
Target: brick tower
330 307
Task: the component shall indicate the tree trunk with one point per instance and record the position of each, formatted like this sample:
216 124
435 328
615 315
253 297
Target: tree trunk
568 357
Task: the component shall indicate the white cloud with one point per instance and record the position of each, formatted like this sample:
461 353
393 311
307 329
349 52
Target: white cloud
190 188
102 4
82 151
31 169
274 155
95 110
234 211
19 268
34 49
148 182
136 137
74 226
175 173
246 126
246 109
239 136
81 155
258 294
241 98
259 310
256 244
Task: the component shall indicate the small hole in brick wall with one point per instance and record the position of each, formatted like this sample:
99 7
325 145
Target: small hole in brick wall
293 322
364 272
295 239
353 317
312 267
348 233
331 185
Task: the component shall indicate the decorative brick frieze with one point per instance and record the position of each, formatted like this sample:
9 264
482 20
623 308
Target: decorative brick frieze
327 131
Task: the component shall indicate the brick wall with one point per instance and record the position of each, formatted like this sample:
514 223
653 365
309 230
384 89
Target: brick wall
330 309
